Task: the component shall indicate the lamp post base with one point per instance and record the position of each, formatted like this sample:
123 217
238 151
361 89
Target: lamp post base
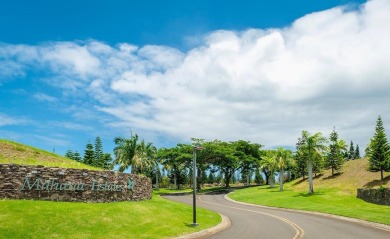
195 224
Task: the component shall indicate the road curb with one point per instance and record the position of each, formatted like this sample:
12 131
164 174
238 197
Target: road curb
225 223
354 220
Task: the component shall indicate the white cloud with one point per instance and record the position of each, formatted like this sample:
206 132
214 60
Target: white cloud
11 120
327 69
44 97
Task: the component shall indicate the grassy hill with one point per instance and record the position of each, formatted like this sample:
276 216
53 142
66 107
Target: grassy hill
354 176
16 153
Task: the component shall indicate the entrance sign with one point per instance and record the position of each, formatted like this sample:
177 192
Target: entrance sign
61 184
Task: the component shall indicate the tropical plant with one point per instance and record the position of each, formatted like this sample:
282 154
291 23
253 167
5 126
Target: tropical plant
269 162
125 151
312 149
284 159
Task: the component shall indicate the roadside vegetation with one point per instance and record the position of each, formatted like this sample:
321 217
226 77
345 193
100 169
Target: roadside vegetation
334 194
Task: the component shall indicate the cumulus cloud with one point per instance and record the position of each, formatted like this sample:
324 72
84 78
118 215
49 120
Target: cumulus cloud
326 69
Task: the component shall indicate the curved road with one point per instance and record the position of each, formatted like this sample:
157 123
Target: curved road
258 222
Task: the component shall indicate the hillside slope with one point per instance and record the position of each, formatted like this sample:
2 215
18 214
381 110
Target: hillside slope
16 153
353 176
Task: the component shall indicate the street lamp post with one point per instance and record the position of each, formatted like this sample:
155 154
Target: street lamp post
194 223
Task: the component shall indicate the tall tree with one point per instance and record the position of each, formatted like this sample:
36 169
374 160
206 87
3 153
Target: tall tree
144 158
77 156
351 155
379 150
313 148
300 157
248 155
99 162
176 161
335 158
107 161
269 162
125 151
284 159
223 157
89 154
69 154
357 152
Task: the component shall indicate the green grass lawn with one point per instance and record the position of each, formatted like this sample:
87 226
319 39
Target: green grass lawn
327 200
155 218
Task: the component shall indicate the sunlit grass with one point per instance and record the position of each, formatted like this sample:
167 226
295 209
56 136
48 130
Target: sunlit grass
327 200
16 153
155 218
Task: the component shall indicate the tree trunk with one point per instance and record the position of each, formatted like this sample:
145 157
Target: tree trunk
281 178
266 177
310 169
332 171
227 180
271 180
198 179
174 181
381 173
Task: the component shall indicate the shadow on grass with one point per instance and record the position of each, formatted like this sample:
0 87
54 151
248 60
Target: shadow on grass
300 181
379 182
332 176
309 194
189 225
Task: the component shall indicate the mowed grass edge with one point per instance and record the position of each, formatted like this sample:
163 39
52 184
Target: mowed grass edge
155 218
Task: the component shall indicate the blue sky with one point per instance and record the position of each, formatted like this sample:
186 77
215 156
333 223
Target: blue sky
171 70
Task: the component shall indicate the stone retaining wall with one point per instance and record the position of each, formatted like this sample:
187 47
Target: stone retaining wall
76 185
378 196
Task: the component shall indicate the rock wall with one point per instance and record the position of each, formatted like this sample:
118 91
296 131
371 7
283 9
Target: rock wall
378 196
75 185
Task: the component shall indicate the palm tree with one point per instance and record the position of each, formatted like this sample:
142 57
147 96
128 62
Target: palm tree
144 157
125 151
313 147
284 159
269 162
129 152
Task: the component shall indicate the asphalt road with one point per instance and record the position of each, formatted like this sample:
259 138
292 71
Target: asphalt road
258 222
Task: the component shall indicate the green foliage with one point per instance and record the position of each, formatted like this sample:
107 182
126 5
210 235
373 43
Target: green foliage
357 152
258 178
69 154
77 156
335 158
98 153
89 154
312 149
351 154
176 160
284 160
270 165
211 178
378 150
